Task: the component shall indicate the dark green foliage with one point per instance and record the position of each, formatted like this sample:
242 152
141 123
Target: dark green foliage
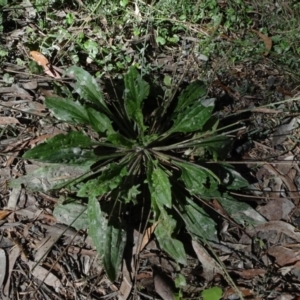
144 153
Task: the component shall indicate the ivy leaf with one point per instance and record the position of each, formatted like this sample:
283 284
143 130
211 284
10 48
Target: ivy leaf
193 118
192 93
109 180
167 242
136 90
67 110
198 180
198 222
109 238
87 87
72 148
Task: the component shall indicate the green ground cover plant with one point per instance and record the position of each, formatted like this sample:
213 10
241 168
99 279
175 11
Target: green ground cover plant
138 151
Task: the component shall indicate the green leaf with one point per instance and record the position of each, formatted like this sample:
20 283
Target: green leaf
87 86
167 242
109 180
99 121
72 214
119 140
198 180
131 194
214 293
233 180
198 222
241 212
136 90
49 177
160 188
72 148
109 239
192 118
67 110
192 93
180 281
218 146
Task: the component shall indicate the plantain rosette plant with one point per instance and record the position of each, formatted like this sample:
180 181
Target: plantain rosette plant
145 152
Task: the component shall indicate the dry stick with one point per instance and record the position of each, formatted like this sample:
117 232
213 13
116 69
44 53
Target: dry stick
262 197
266 105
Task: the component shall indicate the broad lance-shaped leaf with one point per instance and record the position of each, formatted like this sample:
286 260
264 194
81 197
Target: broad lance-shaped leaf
50 177
164 233
160 188
72 148
99 121
87 87
73 112
109 239
193 117
198 180
192 93
67 110
198 222
109 180
136 90
241 212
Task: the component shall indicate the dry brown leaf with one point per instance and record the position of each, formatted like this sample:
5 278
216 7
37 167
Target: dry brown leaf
51 72
8 120
13 255
283 255
248 274
291 188
164 286
126 285
279 226
209 265
44 275
245 292
45 246
277 209
13 198
146 237
4 214
39 58
267 41
44 62
3 270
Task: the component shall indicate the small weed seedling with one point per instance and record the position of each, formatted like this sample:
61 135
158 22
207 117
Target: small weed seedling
137 152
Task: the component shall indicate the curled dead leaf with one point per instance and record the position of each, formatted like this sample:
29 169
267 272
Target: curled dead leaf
39 58
267 41
4 214
147 236
44 62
